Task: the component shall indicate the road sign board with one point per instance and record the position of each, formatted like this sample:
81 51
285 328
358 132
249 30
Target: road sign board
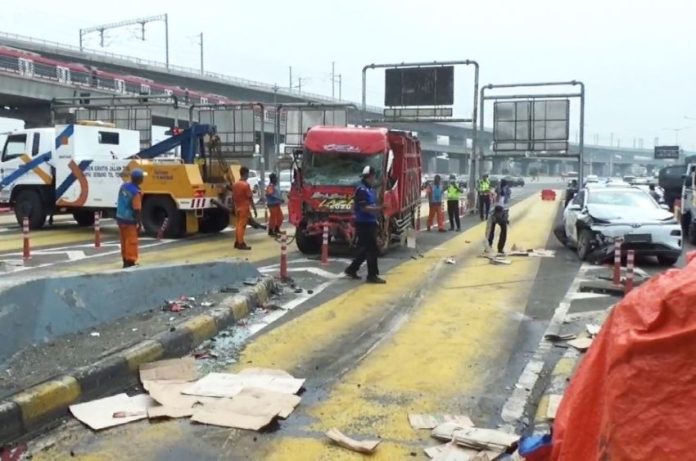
666 152
531 126
419 86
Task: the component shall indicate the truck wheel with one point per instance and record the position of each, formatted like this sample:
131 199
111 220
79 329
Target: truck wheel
692 233
155 209
28 204
307 244
84 218
214 220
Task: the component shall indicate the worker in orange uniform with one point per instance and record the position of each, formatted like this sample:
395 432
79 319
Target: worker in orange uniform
434 193
128 208
243 200
274 200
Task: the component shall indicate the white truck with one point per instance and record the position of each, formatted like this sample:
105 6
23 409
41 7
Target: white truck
79 168
67 169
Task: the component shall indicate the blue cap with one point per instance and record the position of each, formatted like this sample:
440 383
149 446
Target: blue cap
137 174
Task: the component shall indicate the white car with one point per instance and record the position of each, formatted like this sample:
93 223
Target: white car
285 181
591 178
598 215
254 181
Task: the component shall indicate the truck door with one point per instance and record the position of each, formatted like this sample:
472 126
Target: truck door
15 146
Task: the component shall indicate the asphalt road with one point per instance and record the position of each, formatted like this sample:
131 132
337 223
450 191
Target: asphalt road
439 337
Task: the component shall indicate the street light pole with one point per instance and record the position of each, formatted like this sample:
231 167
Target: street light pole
333 79
202 71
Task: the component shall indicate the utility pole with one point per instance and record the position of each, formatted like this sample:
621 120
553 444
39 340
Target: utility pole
290 85
611 139
340 87
299 84
166 39
201 43
333 79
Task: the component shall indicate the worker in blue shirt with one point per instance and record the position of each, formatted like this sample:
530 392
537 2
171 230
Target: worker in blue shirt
366 211
274 200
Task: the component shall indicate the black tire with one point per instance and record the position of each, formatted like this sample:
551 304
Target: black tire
307 244
84 218
158 207
692 233
584 244
559 232
668 259
214 221
28 204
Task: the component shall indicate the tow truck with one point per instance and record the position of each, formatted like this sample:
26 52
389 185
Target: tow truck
78 169
327 170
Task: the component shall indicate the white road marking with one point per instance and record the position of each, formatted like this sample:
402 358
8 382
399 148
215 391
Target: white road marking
513 410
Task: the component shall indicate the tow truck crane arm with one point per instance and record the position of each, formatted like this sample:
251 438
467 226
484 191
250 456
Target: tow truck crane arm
190 140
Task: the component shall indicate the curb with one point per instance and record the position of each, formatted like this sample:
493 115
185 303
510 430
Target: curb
560 378
36 407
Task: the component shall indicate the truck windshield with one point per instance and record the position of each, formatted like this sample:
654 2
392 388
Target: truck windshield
339 168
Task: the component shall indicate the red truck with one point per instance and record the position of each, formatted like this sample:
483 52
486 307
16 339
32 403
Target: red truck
328 170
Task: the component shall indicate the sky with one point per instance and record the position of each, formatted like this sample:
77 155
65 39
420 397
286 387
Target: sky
636 57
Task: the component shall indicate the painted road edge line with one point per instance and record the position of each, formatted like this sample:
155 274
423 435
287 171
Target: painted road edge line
514 408
27 411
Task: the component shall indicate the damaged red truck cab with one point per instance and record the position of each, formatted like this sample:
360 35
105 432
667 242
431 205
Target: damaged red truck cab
328 171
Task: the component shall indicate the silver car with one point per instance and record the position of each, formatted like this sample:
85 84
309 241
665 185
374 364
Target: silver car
598 215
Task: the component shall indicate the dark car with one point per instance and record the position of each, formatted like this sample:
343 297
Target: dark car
515 181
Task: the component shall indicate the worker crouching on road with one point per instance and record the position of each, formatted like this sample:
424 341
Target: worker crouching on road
243 200
366 211
128 217
484 197
453 195
435 193
274 200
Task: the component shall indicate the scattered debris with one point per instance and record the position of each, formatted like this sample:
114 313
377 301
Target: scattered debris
179 370
252 408
231 384
474 437
450 261
560 337
423 421
251 282
592 329
229 290
552 409
364 446
581 344
499 261
134 329
451 452
112 411
207 304
95 334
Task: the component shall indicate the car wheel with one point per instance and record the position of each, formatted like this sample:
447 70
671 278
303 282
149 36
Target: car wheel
560 233
584 244
669 259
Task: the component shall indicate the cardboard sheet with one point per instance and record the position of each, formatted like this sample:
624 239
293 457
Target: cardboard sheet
168 394
169 412
423 421
251 408
581 344
230 384
181 370
361 446
484 439
450 452
99 414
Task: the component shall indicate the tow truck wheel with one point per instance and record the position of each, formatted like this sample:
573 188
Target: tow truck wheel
307 244
83 218
155 209
28 204
214 220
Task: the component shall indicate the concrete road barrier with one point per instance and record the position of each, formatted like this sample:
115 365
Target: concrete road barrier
94 299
